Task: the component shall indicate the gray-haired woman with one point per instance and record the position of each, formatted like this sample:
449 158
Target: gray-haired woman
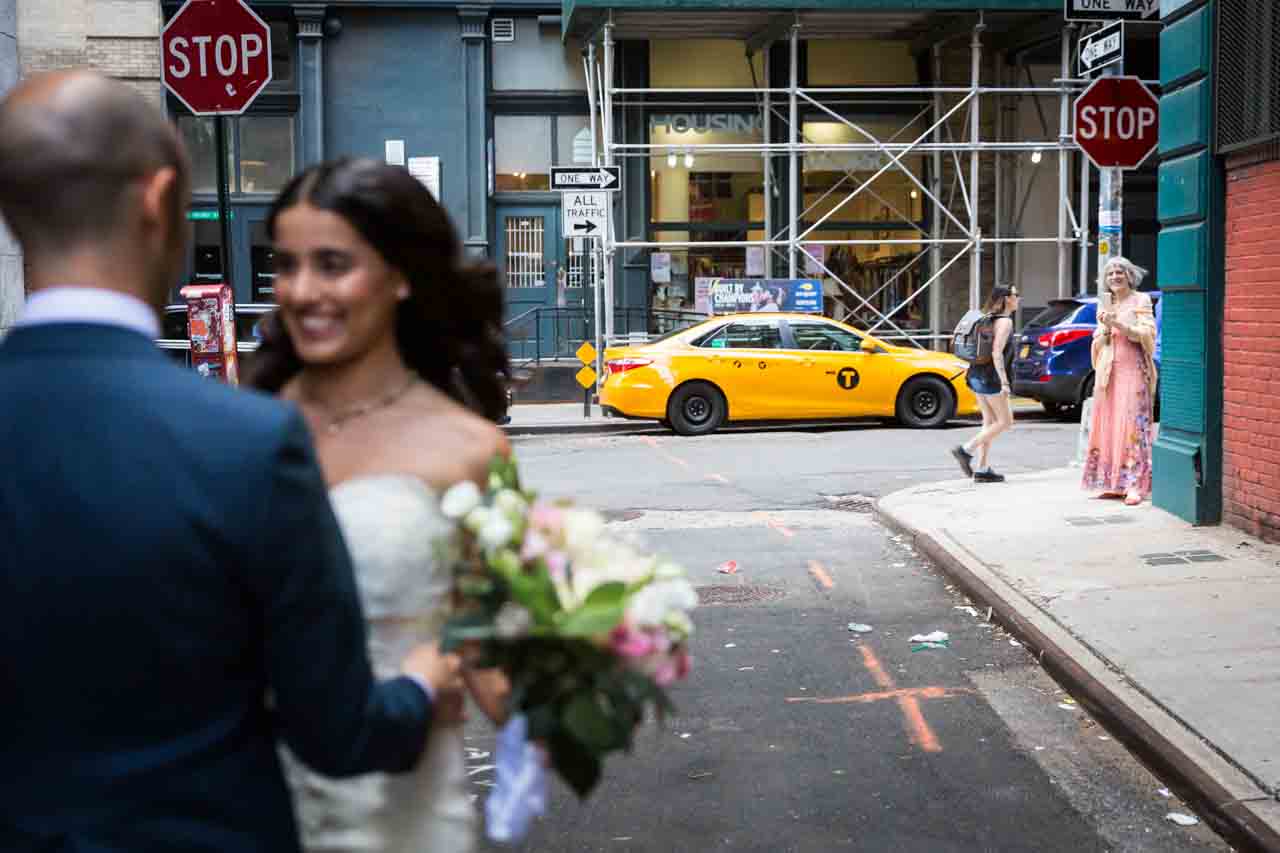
1124 381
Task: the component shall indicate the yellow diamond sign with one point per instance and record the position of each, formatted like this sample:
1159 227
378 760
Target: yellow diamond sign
586 377
586 353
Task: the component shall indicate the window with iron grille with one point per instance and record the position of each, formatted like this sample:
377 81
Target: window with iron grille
1247 73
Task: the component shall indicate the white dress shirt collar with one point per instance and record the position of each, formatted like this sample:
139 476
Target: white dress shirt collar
90 305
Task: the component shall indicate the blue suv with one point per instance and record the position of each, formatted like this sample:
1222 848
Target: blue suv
1051 359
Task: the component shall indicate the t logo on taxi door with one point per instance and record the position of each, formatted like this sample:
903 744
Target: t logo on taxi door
847 378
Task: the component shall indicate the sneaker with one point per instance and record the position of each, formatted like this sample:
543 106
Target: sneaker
987 476
965 458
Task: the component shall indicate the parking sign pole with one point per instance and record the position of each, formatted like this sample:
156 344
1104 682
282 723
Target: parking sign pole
1110 202
224 206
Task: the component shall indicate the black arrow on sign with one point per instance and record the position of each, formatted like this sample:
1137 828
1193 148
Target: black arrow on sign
585 226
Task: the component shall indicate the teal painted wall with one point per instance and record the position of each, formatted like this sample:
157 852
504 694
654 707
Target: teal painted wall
1188 452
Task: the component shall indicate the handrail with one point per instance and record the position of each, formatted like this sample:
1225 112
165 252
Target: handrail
515 320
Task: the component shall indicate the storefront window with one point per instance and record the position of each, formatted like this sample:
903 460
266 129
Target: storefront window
263 146
522 153
573 141
266 153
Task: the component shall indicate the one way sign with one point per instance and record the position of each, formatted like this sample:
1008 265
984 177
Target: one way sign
565 178
585 214
1112 10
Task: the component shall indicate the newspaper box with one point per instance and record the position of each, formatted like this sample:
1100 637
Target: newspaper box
211 327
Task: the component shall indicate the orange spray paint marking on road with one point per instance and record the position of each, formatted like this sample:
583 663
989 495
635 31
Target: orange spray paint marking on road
917 729
670 457
899 693
820 575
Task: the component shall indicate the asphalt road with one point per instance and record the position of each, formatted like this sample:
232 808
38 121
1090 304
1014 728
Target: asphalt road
795 734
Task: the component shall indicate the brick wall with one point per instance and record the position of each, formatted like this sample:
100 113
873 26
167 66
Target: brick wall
1251 342
119 38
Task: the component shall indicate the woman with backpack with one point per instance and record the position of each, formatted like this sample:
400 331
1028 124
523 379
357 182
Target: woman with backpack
989 380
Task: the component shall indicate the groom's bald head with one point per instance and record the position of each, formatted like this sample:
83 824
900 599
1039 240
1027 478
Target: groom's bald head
76 153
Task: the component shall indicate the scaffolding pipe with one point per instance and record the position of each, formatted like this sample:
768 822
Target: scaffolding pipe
935 181
975 227
767 123
611 255
1082 274
998 269
794 191
1064 171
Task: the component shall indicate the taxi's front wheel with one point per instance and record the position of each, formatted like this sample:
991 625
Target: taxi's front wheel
696 408
925 403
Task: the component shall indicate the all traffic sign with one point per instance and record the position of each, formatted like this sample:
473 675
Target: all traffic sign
586 214
567 178
215 56
1117 122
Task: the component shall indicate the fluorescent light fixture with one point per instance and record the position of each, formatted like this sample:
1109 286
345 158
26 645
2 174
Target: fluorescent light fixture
671 160
688 160
1036 156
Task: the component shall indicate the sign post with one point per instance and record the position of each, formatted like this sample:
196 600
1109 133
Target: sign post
216 59
1117 125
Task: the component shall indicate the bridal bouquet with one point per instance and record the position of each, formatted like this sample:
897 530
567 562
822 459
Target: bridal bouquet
588 630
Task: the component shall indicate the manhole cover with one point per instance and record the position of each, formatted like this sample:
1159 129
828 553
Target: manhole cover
621 514
1180 558
851 503
739 594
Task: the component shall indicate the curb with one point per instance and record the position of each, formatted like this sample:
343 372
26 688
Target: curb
594 425
1190 767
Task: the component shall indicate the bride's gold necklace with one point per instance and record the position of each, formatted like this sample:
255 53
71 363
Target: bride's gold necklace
336 421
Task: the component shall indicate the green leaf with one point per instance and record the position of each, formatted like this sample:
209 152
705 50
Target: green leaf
600 613
586 720
578 766
537 593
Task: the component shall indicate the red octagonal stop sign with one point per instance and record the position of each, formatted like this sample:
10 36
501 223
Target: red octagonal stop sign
216 56
1117 122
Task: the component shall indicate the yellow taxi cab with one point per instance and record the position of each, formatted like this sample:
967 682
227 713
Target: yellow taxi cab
771 367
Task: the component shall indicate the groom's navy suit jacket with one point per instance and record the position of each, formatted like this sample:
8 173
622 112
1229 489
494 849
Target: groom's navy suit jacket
175 596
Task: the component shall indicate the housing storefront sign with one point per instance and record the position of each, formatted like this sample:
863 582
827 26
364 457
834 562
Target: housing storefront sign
745 295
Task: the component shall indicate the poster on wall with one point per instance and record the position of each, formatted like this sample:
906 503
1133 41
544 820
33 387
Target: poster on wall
660 267
427 170
755 262
744 296
815 257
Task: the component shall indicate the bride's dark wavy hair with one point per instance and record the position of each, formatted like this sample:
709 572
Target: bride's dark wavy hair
449 330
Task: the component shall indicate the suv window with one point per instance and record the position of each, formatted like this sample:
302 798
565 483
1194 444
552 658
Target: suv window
1057 312
824 336
753 334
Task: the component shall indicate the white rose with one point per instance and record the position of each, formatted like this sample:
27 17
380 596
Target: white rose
477 519
512 621
460 500
657 601
510 504
497 531
582 530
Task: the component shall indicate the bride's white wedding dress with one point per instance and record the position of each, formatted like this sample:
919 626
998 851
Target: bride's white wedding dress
403 550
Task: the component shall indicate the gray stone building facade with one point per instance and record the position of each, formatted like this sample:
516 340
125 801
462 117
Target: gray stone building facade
120 38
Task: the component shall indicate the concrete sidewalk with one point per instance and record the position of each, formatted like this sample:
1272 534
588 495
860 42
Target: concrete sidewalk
1168 634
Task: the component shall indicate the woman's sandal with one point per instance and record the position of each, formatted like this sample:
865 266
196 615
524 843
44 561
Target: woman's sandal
1132 499
1110 496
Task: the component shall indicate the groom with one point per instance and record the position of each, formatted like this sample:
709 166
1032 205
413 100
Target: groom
174 590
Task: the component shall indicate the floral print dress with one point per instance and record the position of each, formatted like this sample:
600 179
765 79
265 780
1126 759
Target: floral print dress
1119 458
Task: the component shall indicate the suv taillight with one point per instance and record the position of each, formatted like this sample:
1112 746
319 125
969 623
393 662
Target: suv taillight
622 365
1053 340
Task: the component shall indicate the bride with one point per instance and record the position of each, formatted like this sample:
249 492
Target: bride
392 347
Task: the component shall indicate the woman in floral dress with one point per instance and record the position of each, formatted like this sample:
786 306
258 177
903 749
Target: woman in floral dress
1119 458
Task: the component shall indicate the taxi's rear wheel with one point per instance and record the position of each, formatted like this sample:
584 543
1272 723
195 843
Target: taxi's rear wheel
696 408
925 402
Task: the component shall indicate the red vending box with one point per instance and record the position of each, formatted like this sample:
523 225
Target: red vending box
211 326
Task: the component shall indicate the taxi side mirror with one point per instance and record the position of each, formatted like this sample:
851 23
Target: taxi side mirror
869 346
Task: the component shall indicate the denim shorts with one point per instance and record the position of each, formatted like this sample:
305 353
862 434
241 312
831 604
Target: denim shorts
983 379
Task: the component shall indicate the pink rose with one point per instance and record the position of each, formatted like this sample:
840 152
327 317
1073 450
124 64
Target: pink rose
557 565
535 545
546 517
631 643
